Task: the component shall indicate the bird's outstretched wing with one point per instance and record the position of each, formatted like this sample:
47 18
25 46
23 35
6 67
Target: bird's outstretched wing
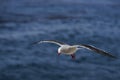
96 50
50 41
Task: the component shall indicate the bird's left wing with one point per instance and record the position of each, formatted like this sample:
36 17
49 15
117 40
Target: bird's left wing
89 47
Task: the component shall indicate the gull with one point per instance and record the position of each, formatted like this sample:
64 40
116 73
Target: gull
71 49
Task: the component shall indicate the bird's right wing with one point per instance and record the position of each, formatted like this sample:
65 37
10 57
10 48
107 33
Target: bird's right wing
50 41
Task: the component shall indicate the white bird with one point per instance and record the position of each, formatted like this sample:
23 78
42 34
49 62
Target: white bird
71 49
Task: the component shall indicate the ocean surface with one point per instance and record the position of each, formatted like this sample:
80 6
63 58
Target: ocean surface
94 22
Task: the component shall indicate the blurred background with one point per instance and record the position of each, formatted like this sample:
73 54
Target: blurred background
23 22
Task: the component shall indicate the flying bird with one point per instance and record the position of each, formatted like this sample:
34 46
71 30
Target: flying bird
71 49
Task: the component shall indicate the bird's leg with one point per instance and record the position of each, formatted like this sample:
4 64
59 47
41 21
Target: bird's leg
73 56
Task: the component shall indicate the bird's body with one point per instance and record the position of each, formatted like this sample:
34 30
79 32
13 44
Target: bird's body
67 49
71 49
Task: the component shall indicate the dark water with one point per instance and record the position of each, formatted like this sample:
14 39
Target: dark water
22 22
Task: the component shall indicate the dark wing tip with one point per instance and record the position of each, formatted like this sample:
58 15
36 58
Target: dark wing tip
110 55
34 43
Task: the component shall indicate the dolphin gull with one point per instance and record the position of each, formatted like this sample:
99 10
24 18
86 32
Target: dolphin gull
71 49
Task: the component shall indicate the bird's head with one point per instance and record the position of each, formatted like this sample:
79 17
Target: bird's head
59 51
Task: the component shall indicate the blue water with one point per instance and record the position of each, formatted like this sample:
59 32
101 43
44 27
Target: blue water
94 22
